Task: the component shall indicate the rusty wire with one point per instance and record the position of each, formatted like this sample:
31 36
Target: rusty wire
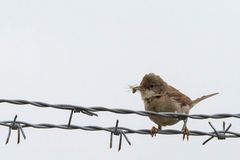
116 130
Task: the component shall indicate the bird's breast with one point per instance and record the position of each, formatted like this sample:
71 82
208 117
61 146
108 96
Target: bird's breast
163 104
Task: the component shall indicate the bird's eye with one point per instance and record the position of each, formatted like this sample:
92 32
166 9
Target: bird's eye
151 86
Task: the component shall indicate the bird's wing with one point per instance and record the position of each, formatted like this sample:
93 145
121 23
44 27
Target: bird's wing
178 96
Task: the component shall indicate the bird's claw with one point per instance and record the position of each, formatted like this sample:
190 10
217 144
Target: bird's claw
154 131
185 133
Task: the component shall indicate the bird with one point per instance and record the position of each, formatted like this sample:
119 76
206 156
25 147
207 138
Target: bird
158 96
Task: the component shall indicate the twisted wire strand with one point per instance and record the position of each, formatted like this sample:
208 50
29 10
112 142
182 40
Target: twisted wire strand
228 134
90 110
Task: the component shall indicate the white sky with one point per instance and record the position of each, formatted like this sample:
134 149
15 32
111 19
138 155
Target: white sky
88 52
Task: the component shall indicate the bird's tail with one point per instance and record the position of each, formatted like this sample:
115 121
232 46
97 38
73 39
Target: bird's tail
194 102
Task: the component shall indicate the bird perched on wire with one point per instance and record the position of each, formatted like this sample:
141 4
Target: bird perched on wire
158 96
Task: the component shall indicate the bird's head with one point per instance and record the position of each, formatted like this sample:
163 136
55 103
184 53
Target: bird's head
150 85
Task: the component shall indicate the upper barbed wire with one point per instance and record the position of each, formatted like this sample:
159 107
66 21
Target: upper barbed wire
92 110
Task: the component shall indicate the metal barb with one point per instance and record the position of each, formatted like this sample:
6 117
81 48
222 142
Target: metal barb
207 140
120 142
89 113
225 131
18 140
114 132
13 126
77 110
9 134
125 136
224 125
120 133
18 127
111 139
21 129
215 131
221 135
70 118
116 128
14 122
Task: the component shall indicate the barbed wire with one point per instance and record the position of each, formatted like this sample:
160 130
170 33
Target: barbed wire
119 131
90 110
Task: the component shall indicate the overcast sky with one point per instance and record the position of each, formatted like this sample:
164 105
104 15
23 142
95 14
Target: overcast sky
88 52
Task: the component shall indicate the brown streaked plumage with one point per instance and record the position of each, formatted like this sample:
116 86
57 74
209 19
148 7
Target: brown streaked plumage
158 96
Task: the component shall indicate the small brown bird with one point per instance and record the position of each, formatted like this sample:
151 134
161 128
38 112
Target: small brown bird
158 96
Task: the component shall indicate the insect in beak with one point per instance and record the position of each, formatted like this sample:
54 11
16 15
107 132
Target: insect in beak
135 88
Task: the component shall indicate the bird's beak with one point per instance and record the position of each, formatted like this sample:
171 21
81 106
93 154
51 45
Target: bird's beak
136 88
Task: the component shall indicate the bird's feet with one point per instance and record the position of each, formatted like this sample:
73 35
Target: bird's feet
155 130
185 132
